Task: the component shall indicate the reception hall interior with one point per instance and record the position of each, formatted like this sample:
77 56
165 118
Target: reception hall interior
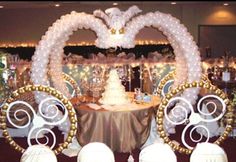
117 81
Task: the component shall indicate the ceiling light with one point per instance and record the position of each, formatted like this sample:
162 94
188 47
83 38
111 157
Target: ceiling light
1 6
173 3
115 4
226 4
57 5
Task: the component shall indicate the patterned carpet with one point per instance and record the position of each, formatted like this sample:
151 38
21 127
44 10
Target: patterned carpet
7 154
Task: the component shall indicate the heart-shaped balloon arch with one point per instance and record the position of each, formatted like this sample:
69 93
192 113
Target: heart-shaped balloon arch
119 30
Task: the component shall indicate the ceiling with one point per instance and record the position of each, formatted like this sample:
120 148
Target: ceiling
46 4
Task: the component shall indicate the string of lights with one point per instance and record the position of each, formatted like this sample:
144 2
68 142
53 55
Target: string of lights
138 42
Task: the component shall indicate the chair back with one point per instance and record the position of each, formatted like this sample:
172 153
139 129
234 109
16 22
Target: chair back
38 153
157 152
208 152
95 152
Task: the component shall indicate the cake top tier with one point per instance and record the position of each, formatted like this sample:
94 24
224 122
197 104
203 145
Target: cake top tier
113 72
113 75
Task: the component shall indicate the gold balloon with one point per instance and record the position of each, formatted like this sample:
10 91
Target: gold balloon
69 107
159 121
15 95
33 88
5 133
65 101
113 31
186 85
72 113
181 150
69 139
218 92
165 102
73 127
180 88
47 89
159 115
168 96
174 146
188 151
173 92
229 128
60 96
54 92
8 138
40 88
230 121
194 84
213 88
71 133
166 139
26 88
22 151
56 152
217 142
21 90
122 31
159 129
65 144
3 126
9 100
3 119
13 144
5 107
60 148
161 107
3 113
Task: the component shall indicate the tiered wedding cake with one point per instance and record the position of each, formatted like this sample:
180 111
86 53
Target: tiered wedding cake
114 93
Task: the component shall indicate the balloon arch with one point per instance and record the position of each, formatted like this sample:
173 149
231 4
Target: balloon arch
119 30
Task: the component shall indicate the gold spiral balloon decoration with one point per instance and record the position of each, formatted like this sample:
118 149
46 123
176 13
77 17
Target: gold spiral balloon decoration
51 91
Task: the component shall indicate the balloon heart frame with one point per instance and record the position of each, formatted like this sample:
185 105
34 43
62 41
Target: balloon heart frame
120 30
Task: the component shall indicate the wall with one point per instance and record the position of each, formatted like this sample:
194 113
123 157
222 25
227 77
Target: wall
215 15
20 25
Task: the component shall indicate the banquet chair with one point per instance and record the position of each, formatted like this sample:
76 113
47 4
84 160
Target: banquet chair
38 153
208 152
95 152
157 152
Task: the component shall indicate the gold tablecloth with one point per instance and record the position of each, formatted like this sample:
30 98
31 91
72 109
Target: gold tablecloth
122 130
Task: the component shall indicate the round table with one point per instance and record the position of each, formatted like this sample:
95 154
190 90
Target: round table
122 128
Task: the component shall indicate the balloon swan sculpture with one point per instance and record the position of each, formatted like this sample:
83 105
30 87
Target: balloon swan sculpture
116 28
116 19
